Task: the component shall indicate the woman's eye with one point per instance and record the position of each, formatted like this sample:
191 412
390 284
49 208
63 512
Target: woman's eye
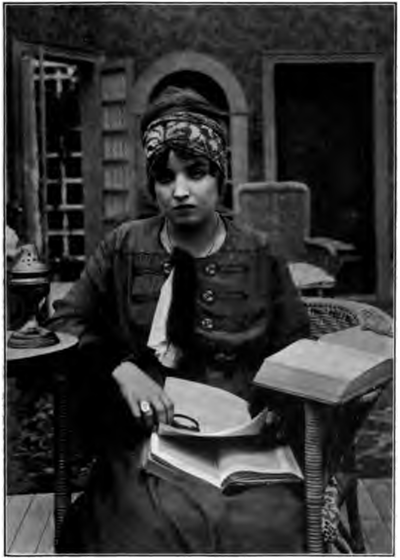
197 172
164 178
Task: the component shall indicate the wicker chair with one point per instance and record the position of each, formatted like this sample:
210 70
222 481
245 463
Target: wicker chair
327 316
282 211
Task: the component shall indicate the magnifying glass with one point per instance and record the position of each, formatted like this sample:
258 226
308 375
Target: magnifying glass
184 422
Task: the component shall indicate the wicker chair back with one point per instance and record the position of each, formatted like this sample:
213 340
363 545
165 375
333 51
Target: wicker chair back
329 315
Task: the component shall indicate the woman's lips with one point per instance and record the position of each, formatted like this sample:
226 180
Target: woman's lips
184 208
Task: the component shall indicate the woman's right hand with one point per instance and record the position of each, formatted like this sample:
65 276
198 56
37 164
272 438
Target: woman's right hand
138 389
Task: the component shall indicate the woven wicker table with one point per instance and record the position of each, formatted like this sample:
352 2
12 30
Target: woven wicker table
53 360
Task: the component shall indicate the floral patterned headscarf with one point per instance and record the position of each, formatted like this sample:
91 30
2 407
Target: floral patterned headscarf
185 121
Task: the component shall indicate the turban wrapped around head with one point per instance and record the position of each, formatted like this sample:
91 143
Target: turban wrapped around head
185 121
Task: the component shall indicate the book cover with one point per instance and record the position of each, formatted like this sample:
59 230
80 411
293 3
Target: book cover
324 372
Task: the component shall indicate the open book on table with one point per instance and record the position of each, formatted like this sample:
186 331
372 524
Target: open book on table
225 453
325 372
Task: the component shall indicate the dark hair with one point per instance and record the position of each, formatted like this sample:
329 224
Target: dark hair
161 164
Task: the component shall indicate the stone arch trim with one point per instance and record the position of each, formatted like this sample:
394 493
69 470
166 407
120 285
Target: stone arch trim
189 60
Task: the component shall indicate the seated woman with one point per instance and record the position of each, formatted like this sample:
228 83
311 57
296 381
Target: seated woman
188 293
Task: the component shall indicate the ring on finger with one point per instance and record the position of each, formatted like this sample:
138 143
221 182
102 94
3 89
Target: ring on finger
145 408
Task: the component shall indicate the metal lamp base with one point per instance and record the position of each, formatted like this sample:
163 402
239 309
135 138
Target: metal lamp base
34 337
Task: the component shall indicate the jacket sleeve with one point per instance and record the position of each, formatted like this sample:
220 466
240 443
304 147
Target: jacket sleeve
83 311
289 323
101 418
290 320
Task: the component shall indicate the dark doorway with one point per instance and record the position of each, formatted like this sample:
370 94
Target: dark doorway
325 139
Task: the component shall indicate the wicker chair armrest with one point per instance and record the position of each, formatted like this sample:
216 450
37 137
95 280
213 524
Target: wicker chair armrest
333 246
330 254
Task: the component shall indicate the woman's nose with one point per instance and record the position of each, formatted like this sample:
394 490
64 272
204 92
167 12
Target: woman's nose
181 189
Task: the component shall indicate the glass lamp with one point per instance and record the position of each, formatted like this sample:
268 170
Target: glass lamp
29 280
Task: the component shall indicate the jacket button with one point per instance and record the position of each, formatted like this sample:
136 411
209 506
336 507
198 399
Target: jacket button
211 269
167 268
207 323
208 296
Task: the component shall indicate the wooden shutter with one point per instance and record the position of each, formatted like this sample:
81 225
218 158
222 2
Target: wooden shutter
25 182
116 85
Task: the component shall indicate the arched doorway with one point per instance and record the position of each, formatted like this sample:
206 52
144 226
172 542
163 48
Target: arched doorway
213 80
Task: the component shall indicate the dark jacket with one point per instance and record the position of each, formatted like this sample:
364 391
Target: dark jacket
247 305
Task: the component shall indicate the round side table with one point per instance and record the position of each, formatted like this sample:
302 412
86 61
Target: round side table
51 360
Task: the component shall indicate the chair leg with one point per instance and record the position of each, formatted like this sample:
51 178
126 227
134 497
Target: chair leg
351 501
313 477
345 536
353 515
342 545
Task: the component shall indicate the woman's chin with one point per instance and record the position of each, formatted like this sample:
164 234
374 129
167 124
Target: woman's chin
188 220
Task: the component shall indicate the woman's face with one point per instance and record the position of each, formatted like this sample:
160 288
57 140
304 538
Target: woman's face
186 192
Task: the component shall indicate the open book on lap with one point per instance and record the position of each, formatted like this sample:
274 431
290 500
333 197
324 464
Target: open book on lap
226 452
225 464
217 412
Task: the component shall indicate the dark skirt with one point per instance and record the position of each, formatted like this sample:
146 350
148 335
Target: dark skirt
128 511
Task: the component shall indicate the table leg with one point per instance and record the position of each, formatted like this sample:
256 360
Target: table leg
314 478
62 491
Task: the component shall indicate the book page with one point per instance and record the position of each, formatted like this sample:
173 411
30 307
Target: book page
249 428
192 457
257 459
216 410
